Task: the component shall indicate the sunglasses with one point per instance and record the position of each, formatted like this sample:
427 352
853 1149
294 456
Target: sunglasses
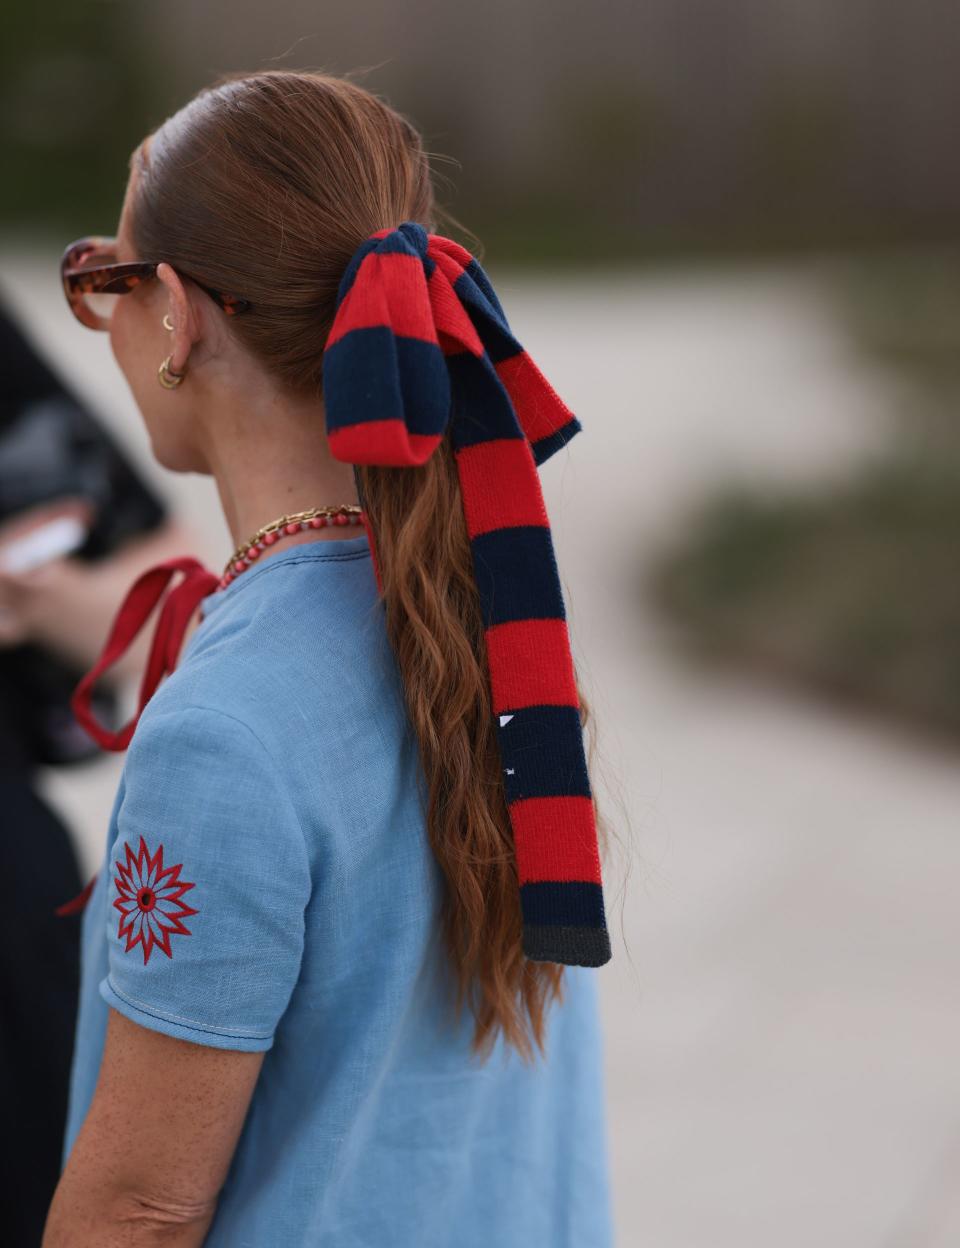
93 281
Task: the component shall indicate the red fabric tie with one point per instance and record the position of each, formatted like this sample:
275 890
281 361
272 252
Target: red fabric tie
179 605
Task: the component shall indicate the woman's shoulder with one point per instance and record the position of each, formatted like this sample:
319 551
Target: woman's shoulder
171 725
305 640
299 657
301 607
293 686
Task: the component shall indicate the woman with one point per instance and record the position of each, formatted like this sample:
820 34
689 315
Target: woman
360 802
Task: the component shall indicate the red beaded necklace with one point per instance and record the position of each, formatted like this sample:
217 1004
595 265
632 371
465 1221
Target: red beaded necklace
248 552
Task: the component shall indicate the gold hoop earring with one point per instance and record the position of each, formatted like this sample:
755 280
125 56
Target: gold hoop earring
167 377
167 323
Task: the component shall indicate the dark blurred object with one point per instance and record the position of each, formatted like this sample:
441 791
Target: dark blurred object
40 979
52 448
53 455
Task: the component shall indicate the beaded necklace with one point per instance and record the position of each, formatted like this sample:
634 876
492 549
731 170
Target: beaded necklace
248 552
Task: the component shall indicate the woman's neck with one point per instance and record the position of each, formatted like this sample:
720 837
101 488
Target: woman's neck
277 464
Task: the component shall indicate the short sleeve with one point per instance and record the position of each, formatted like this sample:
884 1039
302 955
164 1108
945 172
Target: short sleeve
208 882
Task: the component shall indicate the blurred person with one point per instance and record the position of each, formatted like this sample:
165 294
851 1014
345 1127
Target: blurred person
359 803
55 459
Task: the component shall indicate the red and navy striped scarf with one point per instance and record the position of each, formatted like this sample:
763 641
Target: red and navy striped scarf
420 347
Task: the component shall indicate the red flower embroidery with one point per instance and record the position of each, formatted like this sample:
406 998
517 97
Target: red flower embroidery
149 900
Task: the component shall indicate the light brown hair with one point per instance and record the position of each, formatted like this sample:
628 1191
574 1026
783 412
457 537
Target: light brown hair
265 184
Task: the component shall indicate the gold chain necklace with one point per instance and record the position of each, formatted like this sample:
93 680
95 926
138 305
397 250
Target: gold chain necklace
248 552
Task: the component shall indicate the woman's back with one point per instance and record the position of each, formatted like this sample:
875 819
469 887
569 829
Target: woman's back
269 885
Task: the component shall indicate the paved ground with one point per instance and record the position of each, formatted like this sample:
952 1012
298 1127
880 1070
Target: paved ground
782 1022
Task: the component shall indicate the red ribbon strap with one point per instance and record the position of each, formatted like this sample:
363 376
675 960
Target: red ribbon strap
143 596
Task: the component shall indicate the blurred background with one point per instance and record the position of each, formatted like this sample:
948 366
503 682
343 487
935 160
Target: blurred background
729 233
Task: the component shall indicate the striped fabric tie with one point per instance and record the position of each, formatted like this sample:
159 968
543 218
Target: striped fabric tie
419 343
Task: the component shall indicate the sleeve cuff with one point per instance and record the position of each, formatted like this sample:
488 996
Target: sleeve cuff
183 1029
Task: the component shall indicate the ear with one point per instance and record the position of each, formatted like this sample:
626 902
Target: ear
183 315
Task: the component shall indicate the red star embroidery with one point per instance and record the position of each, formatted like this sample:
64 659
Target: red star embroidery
149 900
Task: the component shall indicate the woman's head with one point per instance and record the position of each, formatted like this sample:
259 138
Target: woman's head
261 186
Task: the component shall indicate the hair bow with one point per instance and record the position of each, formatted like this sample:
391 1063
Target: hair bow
420 345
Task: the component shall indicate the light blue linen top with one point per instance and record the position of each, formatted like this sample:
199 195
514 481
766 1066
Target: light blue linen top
276 773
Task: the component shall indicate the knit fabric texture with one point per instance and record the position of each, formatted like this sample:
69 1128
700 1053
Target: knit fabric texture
419 347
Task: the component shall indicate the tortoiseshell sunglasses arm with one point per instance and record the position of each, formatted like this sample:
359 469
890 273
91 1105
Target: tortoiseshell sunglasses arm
120 279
